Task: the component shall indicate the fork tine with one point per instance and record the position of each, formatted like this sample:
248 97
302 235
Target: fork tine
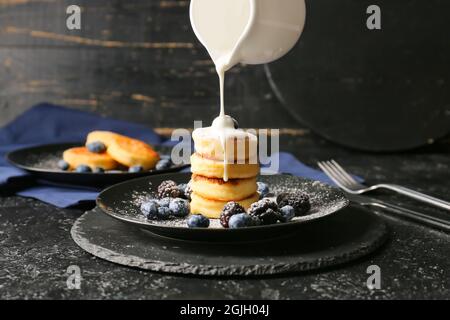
344 173
325 168
341 172
338 175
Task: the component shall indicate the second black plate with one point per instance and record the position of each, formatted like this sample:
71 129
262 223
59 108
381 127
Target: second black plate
42 162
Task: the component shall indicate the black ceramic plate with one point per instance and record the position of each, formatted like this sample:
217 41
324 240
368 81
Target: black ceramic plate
42 162
123 201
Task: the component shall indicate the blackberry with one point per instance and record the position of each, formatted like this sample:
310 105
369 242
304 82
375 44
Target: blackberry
265 210
229 210
298 200
168 188
269 217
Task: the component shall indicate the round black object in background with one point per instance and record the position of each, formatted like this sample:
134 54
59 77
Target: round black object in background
376 90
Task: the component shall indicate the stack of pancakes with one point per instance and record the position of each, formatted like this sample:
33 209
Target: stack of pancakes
210 192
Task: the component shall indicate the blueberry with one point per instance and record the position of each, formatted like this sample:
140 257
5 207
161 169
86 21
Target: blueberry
163 164
63 165
287 213
135 169
240 220
164 213
179 207
83 168
150 209
164 202
96 147
198 221
263 189
99 170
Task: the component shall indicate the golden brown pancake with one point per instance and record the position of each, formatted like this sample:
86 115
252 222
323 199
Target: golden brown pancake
81 155
132 152
105 137
217 189
213 208
241 147
215 168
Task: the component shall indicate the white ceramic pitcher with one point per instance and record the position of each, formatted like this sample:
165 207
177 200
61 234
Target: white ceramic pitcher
253 31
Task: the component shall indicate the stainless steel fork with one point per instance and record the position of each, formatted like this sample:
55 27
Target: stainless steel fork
349 184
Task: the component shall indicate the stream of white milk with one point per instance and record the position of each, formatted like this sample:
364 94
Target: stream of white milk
223 26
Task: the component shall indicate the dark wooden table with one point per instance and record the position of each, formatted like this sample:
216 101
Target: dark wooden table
36 247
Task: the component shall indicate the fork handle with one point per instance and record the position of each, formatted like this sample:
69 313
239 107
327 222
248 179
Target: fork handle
417 195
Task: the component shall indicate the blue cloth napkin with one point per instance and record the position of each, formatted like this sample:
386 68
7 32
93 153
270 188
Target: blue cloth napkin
46 123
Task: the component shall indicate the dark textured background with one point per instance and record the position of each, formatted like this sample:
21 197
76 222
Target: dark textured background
136 60
139 60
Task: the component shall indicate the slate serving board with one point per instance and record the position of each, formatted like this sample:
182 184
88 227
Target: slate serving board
352 233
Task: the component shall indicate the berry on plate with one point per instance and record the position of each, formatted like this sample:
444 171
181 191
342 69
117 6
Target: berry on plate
63 165
230 209
179 207
135 169
164 213
263 189
265 210
241 220
83 169
96 147
150 209
99 170
298 200
164 202
163 164
198 221
287 213
168 188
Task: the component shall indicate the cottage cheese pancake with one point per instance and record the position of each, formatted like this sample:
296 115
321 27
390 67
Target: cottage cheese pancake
212 208
214 168
82 156
217 189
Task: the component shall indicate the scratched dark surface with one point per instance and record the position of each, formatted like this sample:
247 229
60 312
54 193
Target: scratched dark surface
37 248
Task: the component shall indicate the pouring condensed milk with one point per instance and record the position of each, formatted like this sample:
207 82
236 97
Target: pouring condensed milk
240 31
